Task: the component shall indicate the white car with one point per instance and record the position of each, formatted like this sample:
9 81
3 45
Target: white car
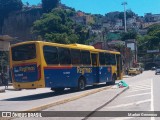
157 70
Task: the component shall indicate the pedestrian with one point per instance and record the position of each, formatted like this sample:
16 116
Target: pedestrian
127 71
6 80
0 79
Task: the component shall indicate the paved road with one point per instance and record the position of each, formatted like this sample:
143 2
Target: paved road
27 99
156 92
155 106
143 95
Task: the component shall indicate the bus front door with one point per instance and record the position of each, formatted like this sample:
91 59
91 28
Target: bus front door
95 68
119 66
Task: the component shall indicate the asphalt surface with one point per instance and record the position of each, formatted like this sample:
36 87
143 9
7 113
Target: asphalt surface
142 95
25 100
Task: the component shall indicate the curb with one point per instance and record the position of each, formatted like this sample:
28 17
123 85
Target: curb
97 109
2 90
43 107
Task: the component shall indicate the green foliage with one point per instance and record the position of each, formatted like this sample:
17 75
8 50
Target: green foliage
153 28
57 26
151 41
61 38
128 35
129 14
48 5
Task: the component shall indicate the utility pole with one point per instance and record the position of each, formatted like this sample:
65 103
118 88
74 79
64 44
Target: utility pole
125 24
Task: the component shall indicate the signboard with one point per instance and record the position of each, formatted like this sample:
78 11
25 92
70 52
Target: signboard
153 51
131 45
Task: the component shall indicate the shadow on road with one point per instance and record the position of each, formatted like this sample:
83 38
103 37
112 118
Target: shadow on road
49 94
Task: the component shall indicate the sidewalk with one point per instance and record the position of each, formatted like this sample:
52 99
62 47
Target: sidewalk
2 88
127 76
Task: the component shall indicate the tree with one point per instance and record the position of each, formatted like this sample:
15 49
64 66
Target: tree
153 28
57 26
129 35
129 14
48 5
8 6
151 41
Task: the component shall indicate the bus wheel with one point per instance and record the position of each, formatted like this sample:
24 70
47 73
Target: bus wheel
57 89
81 84
18 89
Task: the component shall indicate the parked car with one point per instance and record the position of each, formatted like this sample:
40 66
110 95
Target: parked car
153 68
141 70
134 71
157 70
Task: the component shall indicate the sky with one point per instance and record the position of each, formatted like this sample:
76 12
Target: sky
140 7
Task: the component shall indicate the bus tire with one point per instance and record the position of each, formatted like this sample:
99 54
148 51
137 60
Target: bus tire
57 89
18 89
81 84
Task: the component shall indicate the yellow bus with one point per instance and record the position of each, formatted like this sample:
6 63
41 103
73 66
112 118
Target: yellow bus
38 64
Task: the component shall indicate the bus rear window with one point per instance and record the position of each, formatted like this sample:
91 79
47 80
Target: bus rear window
24 52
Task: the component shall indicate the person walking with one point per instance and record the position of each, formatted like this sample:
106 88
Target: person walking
6 80
2 78
1 83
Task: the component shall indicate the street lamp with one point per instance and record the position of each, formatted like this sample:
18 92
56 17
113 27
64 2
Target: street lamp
125 25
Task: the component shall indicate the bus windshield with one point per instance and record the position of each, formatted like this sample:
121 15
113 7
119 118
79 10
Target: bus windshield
23 52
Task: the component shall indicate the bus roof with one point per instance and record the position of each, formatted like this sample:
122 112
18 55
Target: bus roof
74 46
81 46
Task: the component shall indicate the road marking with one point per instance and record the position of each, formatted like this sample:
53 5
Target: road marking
139 90
138 94
129 104
152 100
139 87
102 106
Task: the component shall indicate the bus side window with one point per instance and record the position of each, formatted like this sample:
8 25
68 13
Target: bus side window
64 56
94 59
113 59
107 59
85 57
76 56
102 58
50 55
